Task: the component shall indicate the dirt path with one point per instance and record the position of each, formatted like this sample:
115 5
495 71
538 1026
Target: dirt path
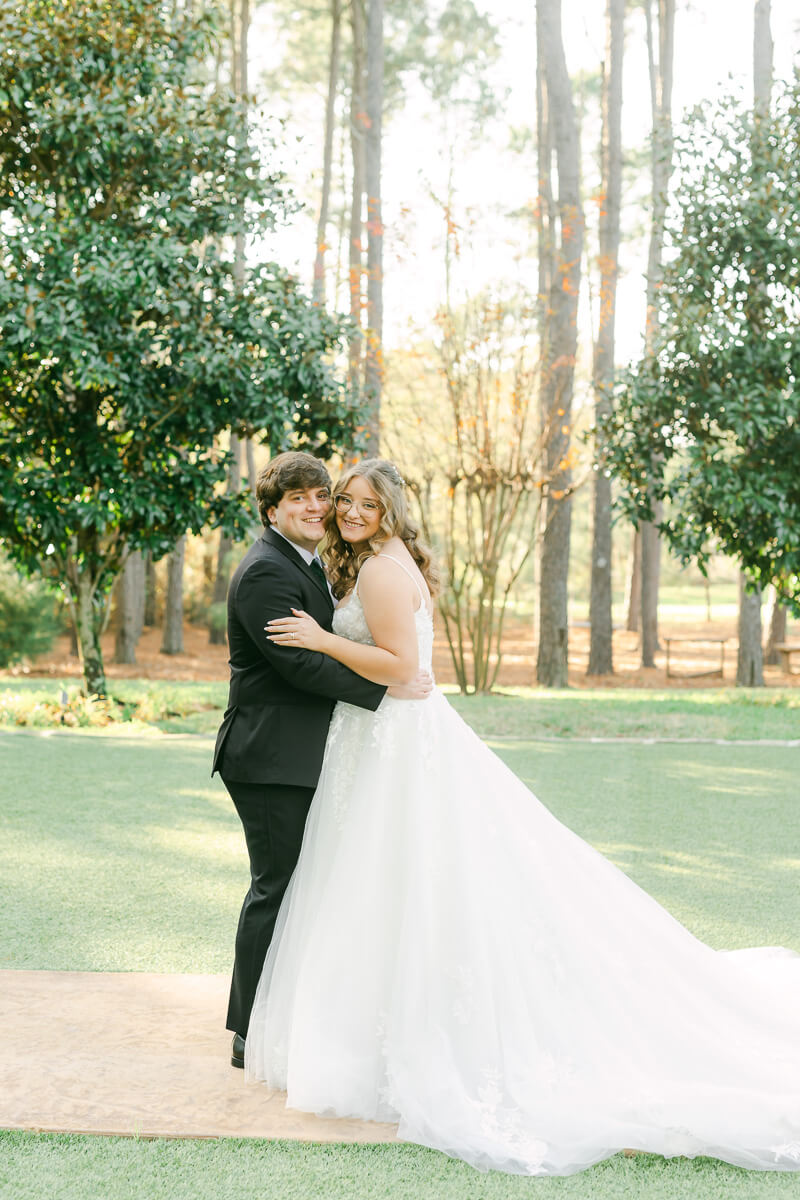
202 661
139 1055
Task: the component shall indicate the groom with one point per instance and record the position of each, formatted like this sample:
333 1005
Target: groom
270 744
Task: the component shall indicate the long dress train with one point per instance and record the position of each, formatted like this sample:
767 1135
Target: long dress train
450 957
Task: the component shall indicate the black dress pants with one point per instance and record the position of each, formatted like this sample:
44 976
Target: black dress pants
274 817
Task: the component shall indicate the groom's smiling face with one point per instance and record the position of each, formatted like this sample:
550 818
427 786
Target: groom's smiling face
299 515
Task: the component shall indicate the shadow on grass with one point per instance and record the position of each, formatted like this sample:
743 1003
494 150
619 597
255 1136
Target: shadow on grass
122 854
701 828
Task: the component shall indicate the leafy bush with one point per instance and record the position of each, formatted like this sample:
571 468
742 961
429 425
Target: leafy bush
29 618
55 703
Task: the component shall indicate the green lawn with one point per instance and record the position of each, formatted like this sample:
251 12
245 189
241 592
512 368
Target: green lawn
83 1168
733 713
728 713
106 832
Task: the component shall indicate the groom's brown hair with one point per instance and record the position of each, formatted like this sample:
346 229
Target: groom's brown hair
294 470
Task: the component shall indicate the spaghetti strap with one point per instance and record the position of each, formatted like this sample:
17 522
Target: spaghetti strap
422 598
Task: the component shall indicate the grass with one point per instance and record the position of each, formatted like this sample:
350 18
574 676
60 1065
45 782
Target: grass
730 713
70 1167
120 853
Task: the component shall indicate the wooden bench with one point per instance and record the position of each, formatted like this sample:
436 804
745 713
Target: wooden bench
786 650
686 637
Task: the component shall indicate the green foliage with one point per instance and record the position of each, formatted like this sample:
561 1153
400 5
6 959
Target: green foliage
28 618
451 50
127 346
711 423
56 703
128 340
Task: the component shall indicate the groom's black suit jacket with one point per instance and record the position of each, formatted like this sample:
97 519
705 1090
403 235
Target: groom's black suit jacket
280 699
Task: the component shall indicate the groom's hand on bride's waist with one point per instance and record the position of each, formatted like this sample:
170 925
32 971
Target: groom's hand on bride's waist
420 688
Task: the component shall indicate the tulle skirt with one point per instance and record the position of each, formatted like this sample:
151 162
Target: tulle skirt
452 958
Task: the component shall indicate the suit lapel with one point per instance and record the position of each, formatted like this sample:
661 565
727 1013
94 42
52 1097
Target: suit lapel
288 551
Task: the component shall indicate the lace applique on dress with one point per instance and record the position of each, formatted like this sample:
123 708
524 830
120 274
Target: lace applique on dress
503 1124
353 728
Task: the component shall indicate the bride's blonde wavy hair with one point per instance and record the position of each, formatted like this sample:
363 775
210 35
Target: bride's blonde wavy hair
388 485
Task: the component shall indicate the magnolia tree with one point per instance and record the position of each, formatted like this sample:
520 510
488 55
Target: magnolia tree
127 344
711 424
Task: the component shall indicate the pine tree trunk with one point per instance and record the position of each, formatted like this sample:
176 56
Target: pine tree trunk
633 595
358 119
216 629
130 608
661 75
750 661
318 291
763 47
651 573
240 28
172 641
601 651
150 615
250 458
776 623
373 367
546 215
559 349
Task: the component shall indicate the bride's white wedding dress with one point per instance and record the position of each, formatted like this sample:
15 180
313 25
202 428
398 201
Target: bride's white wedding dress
450 957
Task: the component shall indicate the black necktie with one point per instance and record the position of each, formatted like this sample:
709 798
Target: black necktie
315 567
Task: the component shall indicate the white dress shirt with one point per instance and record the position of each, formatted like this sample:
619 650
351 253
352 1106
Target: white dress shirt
307 556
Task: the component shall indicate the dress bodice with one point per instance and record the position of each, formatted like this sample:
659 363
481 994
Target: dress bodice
350 622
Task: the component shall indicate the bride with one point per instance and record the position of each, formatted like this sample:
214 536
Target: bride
451 958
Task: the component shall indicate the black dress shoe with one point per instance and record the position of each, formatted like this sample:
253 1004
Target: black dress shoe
237 1051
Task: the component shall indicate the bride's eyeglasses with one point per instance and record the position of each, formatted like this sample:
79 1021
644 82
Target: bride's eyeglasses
344 503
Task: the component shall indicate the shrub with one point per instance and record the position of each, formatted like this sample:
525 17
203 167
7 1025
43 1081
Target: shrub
29 618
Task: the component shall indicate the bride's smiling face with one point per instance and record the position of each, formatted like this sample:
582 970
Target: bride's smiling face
358 511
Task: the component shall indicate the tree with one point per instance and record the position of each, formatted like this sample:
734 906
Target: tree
776 625
327 164
661 72
172 640
373 367
560 334
149 615
468 441
601 660
130 604
126 345
709 424
239 32
217 626
448 48
750 655
749 658
358 120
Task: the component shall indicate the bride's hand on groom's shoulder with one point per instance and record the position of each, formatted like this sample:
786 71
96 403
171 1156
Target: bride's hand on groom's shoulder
300 631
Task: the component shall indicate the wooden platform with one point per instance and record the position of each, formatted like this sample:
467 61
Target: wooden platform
139 1055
